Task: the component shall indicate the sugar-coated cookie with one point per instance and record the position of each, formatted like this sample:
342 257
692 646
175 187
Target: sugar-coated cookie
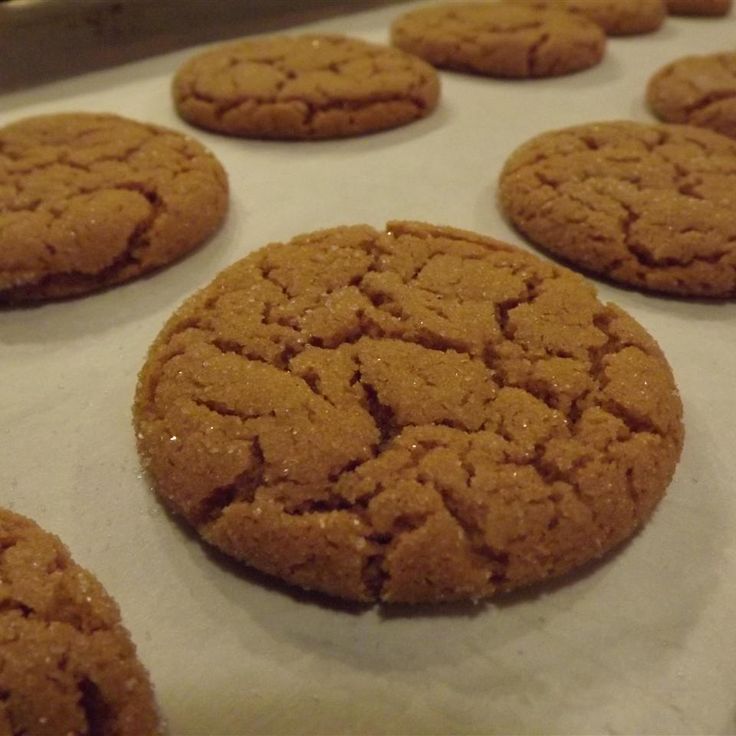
67 665
699 7
500 39
420 414
697 90
88 201
616 17
304 87
653 206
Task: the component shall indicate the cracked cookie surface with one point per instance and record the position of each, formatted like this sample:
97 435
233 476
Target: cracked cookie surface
697 90
421 414
88 201
652 206
67 665
500 39
699 7
616 17
304 87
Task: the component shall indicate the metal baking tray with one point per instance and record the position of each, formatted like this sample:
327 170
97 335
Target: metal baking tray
43 40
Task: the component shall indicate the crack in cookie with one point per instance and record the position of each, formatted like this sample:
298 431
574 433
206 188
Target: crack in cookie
485 424
304 87
500 39
88 201
616 17
697 90
649 206
67 665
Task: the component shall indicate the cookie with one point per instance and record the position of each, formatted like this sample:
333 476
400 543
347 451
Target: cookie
304 87
67 665
616 17
500 39
699 7
697 90
88 201
421 414
651 206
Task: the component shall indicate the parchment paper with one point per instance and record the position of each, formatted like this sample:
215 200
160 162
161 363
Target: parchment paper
642 643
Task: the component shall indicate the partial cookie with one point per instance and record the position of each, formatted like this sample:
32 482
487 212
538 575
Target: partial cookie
698 90
67 665
422 414
304 87
500 39
616 17
698 7
653 206
88 201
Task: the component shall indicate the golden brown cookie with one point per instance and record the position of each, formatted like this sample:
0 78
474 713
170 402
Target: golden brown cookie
698 7
653 206
304 87
616 17
697 90
423 414
67 665
500 39
88 201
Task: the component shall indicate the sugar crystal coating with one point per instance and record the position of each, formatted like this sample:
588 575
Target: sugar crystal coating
652 206
500 39
90 200
421 414
697 90
304 87
67 665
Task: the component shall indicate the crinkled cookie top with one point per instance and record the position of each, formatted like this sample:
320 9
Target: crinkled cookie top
420 414
616 17
67 665
311 86
88 201
653 206
500 39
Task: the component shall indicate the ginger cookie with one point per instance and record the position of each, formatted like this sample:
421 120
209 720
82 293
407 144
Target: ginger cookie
616 17
67 665
89 201
420 414
698 7
304 87
697 90
500 39
652 206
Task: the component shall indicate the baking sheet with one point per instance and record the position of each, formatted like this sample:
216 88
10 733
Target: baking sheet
644 643
105 33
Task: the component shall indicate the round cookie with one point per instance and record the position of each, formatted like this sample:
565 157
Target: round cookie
697 90
88 201
67 665
616 17
698 7
304 87
652 206
423 414
500 39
